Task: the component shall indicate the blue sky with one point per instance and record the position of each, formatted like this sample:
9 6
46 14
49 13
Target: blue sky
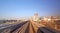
26 8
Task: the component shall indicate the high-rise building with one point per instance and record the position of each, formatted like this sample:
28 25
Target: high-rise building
35 17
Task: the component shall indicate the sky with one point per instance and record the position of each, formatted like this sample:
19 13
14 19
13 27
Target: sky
27 8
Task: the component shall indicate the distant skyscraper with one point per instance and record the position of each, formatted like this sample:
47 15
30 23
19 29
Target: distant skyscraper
35 17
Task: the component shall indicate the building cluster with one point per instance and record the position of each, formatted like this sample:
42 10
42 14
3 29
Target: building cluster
50 21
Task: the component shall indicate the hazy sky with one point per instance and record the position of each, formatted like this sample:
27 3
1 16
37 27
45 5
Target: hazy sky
26 8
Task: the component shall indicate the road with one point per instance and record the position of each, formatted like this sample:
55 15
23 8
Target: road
28 27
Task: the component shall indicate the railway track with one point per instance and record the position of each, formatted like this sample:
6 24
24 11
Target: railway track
12 28
29 27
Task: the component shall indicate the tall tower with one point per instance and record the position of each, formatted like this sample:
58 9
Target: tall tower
36 14
35 17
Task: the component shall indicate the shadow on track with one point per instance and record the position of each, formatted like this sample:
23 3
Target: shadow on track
46 30
18 26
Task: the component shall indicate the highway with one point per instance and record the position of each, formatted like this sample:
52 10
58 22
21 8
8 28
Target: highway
27 27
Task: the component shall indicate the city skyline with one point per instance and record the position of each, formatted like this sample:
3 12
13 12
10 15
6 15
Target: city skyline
27 8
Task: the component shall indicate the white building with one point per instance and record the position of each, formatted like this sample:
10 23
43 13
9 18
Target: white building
35 17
